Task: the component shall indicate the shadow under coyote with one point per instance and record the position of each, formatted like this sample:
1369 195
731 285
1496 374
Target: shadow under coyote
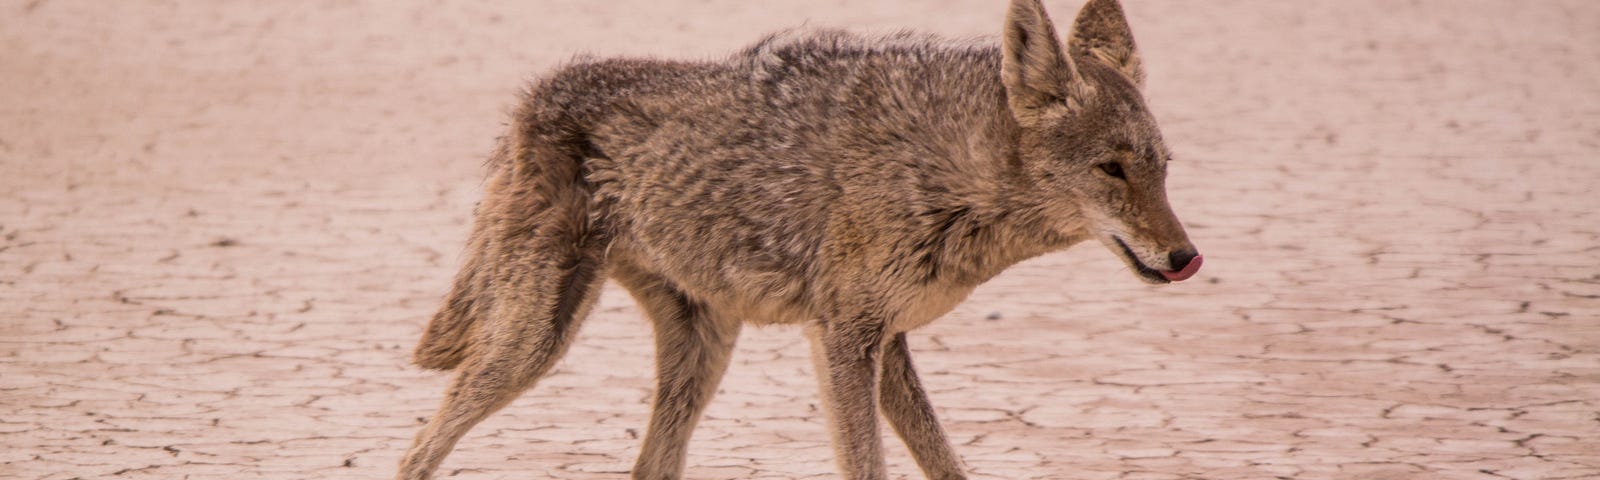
859 186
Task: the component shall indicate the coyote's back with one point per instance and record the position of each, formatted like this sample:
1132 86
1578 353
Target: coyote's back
859 186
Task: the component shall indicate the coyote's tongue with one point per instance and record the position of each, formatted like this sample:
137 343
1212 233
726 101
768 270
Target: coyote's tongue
1188 271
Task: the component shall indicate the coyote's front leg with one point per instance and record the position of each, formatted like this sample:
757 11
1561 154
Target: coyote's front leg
906 407
848 355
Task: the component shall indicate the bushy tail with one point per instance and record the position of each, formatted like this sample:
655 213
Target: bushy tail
536 187
448 338
446 344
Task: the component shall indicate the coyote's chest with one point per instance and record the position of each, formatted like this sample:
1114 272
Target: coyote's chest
927 304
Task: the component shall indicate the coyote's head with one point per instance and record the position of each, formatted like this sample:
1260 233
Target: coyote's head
1088 142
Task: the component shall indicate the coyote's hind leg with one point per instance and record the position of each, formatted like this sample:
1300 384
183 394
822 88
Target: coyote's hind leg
692 351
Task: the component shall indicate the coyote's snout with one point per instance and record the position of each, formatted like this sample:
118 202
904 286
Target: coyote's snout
859 186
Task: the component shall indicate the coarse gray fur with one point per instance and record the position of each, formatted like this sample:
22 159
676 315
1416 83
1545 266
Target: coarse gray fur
859 186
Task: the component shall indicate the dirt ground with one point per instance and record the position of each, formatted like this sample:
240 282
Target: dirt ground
223 224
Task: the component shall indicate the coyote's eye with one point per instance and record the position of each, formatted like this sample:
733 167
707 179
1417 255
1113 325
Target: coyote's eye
1113 169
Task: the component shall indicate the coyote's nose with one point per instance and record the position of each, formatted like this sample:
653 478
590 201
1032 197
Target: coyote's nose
1180 258
1184 263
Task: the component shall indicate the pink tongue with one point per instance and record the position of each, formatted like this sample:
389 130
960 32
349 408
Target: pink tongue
1188 271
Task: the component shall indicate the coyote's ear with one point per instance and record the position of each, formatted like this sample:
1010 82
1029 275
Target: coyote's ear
1101 32
1040 80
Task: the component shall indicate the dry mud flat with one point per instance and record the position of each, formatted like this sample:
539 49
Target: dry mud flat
222 225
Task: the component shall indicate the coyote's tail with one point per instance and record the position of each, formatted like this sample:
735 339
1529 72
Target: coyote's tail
448 338
536 189
447 341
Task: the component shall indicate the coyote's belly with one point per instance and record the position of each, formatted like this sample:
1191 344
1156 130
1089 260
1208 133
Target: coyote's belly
773 296
722 285
729 249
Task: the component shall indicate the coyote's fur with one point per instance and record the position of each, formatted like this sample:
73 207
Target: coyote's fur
859 186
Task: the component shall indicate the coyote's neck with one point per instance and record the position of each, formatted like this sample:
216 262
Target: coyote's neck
987 216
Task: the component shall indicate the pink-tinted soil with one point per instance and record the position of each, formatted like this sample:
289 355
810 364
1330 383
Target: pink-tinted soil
223 224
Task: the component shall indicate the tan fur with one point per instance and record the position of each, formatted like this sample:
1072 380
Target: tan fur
860 186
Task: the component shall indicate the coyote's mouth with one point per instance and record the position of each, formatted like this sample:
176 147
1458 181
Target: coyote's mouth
1159 276
1149 274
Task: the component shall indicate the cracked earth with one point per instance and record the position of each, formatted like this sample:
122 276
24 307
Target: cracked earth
223 225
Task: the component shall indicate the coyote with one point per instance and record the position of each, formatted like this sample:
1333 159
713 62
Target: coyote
858 186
